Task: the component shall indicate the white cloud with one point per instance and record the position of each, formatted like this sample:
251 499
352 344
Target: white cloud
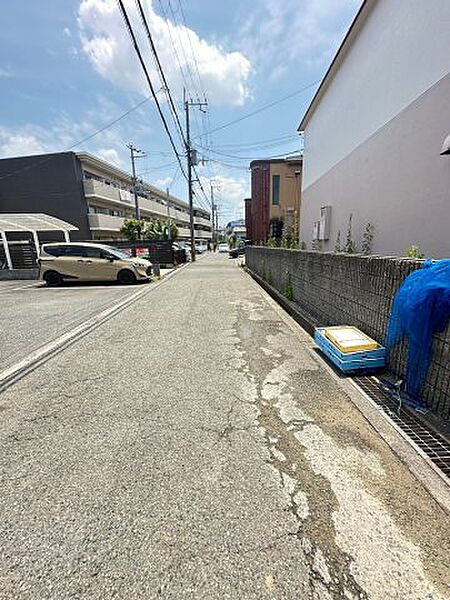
111 155
279 35
19 143
64 131
67 32
230 193
163 182
6 73
106 42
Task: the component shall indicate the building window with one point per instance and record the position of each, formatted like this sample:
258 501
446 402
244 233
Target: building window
276 228
275 189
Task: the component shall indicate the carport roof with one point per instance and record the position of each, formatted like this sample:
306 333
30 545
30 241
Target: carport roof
33 222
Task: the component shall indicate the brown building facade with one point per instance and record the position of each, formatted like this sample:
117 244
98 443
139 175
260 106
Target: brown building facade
275 200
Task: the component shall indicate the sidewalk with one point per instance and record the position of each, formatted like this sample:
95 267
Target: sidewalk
194 447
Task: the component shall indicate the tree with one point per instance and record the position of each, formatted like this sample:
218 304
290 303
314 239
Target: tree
232 240
173 231
337 246
296 230
367 239
414 252
290 235
157 230
349 243
132 229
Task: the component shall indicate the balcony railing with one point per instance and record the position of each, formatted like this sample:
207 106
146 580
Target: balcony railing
105 222
103 191
202 221
203 235
184 232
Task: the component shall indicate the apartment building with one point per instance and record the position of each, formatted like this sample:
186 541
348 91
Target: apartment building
237 228
374 133
90 193
275 197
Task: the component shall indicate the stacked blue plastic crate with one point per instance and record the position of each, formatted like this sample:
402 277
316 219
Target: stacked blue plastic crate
350 362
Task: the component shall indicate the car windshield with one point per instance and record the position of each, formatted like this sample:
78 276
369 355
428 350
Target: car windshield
118 253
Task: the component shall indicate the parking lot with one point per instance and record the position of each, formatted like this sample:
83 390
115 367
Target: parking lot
32 314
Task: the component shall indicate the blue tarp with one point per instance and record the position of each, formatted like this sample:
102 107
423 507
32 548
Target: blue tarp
421 307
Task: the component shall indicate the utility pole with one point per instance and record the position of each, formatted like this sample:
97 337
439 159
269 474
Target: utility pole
214 212
169 227
191 161
212 216
133 151
217 218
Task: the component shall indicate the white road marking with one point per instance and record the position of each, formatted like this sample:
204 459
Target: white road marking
35 284
12 374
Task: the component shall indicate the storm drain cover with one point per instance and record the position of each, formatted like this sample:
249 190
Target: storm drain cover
429 441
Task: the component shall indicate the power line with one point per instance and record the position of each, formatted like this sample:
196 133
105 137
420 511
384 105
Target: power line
255 148
220 162
201 186
111 123
83 140
177 56
152 89
263 143
240 157
175 176
202 89
159 167
263 108
187 64
188 61
187 84
161 72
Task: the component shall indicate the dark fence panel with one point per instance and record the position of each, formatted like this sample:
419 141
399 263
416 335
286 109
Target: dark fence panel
353 290
23 255
158 252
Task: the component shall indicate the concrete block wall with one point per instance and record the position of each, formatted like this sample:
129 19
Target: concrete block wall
333 289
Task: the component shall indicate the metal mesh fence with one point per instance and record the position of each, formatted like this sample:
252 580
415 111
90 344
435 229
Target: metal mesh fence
353 290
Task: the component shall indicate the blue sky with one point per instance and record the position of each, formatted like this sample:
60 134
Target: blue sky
67 68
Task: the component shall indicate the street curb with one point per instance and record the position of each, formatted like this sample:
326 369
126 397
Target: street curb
16 372
411 455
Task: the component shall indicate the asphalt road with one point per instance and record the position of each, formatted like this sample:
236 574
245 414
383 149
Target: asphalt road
195 447
32 314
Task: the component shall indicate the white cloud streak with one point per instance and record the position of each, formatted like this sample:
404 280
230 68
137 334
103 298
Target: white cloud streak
230 193
105 41
5 73
305 34
64 132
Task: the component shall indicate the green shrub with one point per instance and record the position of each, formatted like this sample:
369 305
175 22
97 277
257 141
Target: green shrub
414 252
289 292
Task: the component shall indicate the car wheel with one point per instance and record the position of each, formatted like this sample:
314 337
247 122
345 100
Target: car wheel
126 277
52 278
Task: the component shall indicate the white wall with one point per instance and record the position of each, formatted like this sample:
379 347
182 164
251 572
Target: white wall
396 180
401 51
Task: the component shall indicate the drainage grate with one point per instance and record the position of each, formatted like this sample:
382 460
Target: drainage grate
432 444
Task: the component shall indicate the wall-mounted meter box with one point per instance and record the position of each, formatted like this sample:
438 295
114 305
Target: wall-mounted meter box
325 222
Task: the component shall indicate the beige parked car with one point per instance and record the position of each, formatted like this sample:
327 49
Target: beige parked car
89 262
